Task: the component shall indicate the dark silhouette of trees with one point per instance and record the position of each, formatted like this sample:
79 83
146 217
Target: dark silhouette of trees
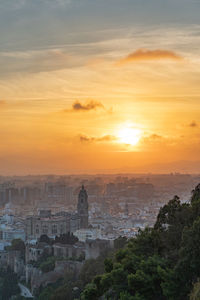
8 284
66 238
18 245
45 239
161 263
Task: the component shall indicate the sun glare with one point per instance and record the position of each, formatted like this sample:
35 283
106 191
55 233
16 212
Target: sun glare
129 136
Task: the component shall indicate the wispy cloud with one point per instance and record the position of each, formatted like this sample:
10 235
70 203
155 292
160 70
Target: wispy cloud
37 61
78 106
91 139
145 55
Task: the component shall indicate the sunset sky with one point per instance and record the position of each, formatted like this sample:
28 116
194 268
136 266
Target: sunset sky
99 86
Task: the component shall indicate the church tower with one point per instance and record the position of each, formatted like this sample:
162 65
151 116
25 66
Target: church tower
82 208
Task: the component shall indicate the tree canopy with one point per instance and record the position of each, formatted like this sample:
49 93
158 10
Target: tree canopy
161 263
8 284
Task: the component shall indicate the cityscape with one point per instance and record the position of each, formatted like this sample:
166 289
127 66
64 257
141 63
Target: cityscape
100 149
82 216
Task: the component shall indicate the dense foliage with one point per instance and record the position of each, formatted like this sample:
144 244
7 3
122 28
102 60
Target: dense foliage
8 284
161 263
45 263
67 238
17 245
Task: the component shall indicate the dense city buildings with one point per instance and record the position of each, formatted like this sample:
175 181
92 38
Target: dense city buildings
62 225
119 204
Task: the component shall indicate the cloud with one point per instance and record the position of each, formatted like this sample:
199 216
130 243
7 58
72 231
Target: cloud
88 139
153 138
37 61
145 55
77 106
193 124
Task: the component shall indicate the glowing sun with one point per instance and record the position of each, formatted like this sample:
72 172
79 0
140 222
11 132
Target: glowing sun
129 135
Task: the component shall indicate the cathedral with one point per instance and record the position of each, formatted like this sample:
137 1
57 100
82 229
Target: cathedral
60 223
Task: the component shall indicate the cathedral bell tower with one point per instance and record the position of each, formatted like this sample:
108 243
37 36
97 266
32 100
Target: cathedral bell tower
82 208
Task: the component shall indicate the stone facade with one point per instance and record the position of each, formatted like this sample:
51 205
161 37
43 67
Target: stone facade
69 251
13 260
37 278
93 248
51 226
34 252
55 225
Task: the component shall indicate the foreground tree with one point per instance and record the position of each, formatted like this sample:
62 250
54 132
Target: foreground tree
8 284
161 263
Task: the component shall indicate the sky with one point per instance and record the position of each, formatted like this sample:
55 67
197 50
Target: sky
99 86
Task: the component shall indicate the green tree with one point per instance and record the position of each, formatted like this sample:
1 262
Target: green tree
90 292
120 242
66 238
8 284
18 245
46 293
187 269
48 265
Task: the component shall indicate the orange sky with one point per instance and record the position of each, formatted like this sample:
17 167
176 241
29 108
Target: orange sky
62 106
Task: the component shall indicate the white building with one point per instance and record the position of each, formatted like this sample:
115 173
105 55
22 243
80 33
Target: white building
85 234
8 233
